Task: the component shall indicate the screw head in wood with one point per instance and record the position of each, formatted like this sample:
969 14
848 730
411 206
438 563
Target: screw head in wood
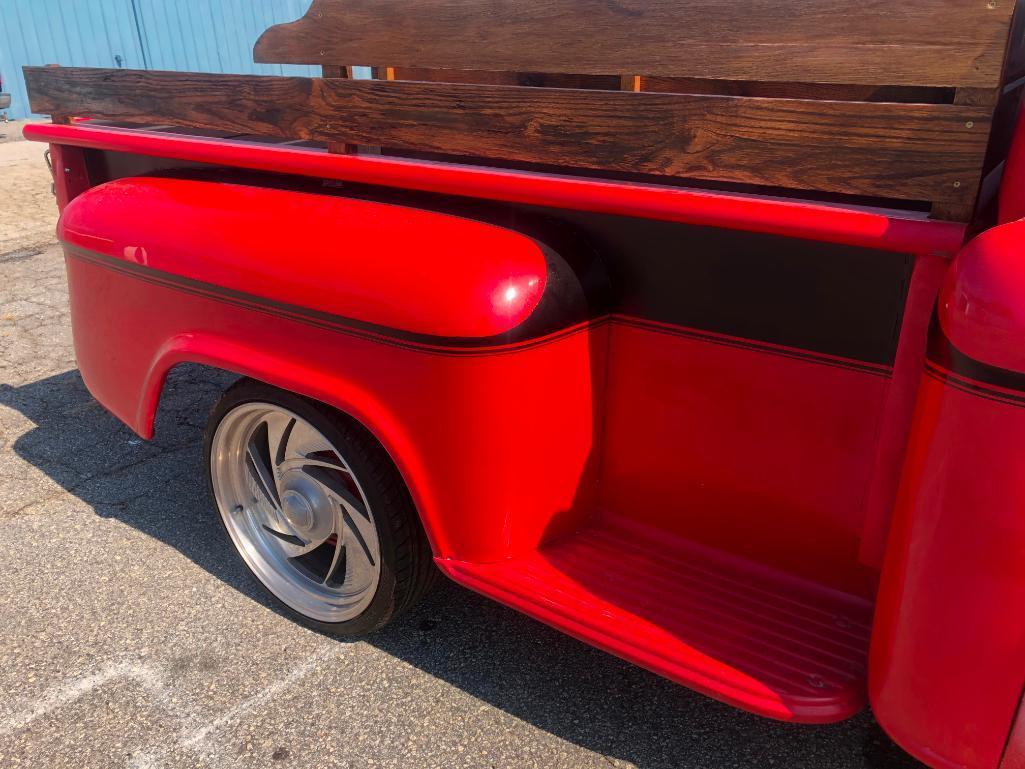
969 124
957 184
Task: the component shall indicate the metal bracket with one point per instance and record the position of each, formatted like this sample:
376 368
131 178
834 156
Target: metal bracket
49 164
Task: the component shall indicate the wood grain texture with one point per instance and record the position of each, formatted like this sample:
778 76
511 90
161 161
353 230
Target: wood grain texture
328 71
910 151
914 42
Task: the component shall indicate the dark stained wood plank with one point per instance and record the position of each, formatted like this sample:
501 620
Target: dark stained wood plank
58 118
914 42
977 97
329 71
910 151
952 212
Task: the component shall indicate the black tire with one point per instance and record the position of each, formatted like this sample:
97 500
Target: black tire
407 566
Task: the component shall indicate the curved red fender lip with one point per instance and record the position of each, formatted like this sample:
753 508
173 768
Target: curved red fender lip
391 266
982 304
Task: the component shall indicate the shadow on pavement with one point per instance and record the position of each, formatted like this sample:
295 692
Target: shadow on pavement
509 661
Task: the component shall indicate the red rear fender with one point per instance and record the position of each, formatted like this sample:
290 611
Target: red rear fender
443 335
388 266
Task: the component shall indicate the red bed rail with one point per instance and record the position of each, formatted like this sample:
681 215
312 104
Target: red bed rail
789 218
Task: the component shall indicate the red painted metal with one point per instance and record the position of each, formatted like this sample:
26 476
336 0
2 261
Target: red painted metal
70 175
1014 752
982 305
752 451
462 429
948 648
730 628
832 224
897 418
391 266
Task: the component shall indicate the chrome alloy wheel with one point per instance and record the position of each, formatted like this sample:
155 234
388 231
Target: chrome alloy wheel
295 511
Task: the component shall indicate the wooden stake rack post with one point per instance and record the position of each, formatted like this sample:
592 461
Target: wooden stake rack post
817 98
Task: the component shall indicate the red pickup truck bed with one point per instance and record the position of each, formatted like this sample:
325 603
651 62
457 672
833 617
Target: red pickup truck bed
678 351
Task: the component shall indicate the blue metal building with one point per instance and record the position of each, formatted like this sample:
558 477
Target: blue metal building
192 35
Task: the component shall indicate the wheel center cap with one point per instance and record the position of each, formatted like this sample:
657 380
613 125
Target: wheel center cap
297 510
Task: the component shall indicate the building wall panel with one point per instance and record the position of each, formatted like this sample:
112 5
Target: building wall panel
182 35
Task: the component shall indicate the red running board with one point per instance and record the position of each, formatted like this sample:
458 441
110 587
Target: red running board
760 640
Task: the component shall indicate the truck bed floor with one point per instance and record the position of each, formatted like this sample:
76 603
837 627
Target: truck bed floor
764 641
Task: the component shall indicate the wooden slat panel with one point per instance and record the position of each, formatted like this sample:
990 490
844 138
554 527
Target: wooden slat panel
914 42
911 151
329 71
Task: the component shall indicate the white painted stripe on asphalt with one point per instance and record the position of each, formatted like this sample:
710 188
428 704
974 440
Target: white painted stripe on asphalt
193 739
150 679
195 729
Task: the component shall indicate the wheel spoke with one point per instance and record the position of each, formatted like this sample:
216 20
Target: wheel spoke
334 485
304 439
260 470
363 533
323 461
356 533
271 438
289 538
338 556
269 443
279 430
360 565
